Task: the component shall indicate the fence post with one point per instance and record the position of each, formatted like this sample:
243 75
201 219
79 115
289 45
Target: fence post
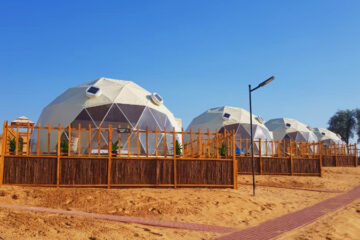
146 141
109 155
58 151
2 157
320 156
199 143
79 139
128 141
156 149
183 142
291 159
191 144
174 155
27 138
336 159
89 139
38 139
216 144
234 161
69 140
165 143
355 155
137 141
17 140
48 138
260 158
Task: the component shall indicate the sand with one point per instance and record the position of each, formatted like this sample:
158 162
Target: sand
222 207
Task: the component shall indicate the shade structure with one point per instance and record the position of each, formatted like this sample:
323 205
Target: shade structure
105 102
237 120
327 137
290 129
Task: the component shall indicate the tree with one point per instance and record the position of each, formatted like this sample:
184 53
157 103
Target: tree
343 123
357 115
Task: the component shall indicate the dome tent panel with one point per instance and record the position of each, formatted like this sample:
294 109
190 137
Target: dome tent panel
131 112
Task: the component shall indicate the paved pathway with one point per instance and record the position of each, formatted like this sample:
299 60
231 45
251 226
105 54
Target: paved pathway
138 220
295 188
277 226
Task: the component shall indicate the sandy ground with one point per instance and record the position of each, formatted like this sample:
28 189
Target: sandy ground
222 207
341 224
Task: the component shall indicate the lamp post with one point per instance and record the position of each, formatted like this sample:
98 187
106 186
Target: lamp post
251 128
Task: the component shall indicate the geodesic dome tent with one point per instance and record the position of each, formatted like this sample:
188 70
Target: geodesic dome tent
286 128
234 119
103 102
327 137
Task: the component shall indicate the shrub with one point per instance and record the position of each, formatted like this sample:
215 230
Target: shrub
178 147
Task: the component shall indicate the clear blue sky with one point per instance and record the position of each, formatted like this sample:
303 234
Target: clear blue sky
196 54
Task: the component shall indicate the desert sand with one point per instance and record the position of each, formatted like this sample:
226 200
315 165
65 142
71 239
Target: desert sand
222 207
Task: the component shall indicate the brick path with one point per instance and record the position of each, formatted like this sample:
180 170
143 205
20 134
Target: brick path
138 220
295 188
277 226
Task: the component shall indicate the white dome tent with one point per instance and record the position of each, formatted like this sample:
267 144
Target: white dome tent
327 137
103 102
237 119
287 128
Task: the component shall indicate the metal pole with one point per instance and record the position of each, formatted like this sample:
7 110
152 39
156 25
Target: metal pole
252 143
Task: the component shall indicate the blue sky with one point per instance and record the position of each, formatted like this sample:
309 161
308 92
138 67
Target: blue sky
196 54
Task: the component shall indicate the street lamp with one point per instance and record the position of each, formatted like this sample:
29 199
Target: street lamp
251 128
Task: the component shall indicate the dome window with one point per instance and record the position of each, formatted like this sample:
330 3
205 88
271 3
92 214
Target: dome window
157 99
260 119
226 116
287 125
323 134
93 91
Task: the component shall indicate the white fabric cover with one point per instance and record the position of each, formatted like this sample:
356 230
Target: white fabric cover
327 136
66 107
280 128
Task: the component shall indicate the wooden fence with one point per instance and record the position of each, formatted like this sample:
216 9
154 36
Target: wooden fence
280 158
293 158
125 158
339 155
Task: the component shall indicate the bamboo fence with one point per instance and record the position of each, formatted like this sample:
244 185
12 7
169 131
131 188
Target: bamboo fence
93 161
123 157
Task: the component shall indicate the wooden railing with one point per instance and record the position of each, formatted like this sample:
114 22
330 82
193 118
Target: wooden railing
115 157
120 156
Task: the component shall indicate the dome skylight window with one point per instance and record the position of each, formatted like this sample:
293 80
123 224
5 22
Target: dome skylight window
260 119
226 116
93 91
